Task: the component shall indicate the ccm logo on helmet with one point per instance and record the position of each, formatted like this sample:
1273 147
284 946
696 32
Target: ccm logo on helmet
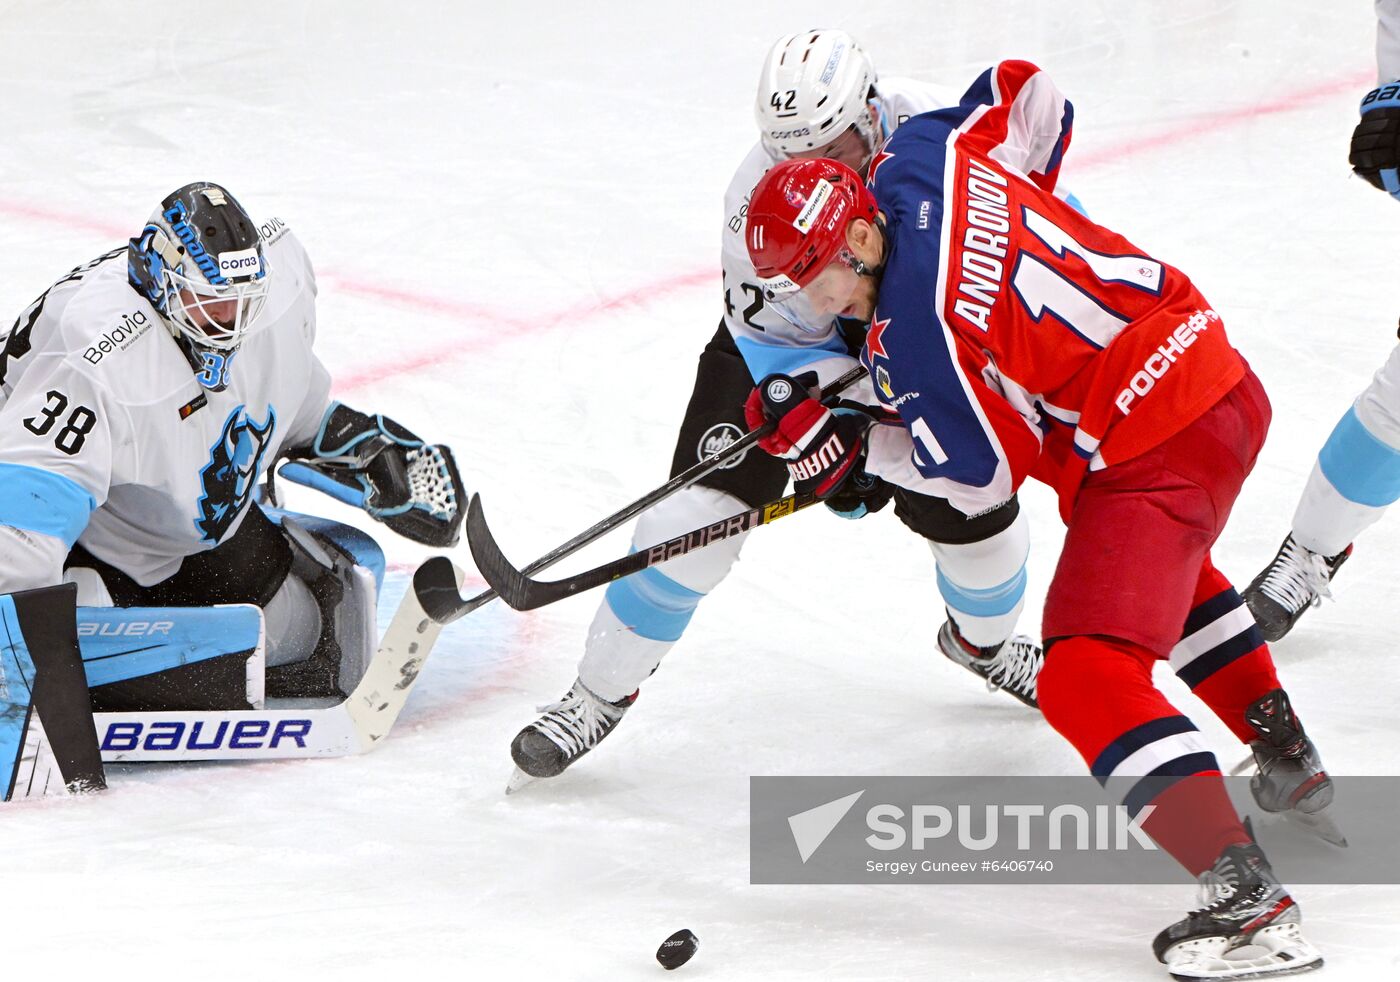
243 261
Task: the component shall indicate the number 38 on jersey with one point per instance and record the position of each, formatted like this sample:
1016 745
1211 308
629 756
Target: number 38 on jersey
76 423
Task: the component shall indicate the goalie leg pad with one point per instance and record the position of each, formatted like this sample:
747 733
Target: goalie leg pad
344 596
152 659
48 743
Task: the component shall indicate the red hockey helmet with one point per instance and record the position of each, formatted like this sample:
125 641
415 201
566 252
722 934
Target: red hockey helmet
797 221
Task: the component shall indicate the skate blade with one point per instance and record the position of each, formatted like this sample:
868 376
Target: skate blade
1283 951
519 779
1319 824
1243 767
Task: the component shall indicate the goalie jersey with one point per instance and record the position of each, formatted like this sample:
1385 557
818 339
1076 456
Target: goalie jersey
108 439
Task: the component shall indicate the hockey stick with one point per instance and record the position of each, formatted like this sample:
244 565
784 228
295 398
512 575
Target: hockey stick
354 726
444 603
516 588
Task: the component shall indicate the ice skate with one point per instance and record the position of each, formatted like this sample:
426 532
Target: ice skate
1296 580
1249 928
568 729
1012 666
1290 776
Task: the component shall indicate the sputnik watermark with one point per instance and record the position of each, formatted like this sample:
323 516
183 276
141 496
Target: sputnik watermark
1101 827
1108 826
1038 830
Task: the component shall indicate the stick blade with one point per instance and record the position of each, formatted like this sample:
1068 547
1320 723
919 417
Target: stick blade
435 584
509 583
380 695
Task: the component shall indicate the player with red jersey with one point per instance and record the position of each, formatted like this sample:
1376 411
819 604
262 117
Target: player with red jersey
1012 337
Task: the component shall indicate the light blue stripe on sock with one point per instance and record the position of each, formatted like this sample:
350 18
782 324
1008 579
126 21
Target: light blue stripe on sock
1362 468
990 602
653 605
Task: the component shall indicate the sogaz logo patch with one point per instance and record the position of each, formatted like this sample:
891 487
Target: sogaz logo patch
715 439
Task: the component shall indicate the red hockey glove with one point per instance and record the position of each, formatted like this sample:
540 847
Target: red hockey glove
822 448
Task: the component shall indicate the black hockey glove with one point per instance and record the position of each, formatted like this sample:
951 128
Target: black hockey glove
863 494
376 464
1375 143
822 448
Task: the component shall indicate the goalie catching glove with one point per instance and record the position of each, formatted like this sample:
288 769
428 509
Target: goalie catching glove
823 449
376 464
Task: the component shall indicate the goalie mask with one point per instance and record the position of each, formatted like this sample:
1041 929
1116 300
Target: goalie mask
200 263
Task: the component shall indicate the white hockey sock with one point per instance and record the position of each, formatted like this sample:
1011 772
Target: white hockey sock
643 615
984 583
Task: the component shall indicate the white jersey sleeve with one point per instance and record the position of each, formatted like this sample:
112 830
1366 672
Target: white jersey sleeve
60 428
307 424
768 341
1387 40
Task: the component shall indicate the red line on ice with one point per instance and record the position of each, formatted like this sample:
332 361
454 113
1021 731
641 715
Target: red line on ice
501 326
1213 122
498 325
47 216
512 325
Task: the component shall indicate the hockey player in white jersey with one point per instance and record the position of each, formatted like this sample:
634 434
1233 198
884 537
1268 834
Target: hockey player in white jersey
818 96
1357 472
143 396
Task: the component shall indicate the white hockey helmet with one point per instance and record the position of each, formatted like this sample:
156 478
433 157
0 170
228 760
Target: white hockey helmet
815 86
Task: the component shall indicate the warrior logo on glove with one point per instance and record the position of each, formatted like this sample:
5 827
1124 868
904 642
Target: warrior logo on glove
822 448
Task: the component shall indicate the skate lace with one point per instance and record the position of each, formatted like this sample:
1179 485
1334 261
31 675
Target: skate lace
1016 666
1216 889
576 722
1298 578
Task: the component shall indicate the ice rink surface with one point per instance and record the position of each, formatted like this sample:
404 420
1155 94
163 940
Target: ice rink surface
515 212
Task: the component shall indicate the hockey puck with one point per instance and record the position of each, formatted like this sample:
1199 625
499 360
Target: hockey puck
678 949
